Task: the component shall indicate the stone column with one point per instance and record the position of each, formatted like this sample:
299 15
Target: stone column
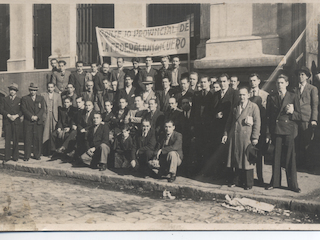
241 35
64 35
129 15
21 37
204 29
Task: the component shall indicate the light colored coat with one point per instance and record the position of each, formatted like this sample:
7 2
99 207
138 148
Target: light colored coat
240 135
56 103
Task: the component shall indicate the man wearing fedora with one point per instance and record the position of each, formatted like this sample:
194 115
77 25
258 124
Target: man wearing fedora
32 107
10 109
148 93
308 99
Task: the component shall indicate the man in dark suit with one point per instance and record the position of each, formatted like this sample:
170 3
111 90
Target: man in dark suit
283 110
164 95
108 116
119 73
77 78
148 71
64 132
193 77
201 120
177 72
223 101
85 120
54 65
185 91
135 73
97 144
168 152
156 117
145 144
11 112
105 72
61 78
164 71
32 107
309 100
174 114
129 92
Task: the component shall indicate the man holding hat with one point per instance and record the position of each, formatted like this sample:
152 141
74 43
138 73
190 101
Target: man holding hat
148 92
32 107
308 99
10 109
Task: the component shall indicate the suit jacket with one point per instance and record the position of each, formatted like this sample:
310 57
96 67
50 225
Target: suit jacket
181 70
101 135
66 117
108 118
146 143
278 122
163 99
157 120
60 80
120 118
143 74
82 120
202 109
56 103
309 101
148 97
119 76
88 97
224 105
137 83
78 81
263 94
73 97
10 107
127 147
129 97
175 144
97 80
180 97
31 108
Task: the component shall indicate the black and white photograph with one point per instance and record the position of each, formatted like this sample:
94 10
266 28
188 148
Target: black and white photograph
159 116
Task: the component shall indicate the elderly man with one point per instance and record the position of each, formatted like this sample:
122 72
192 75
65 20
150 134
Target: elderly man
11 112
61 78
90 95
309 100
148 71
242 129
283 110
32 107
119 73
97 144
77 78
168 152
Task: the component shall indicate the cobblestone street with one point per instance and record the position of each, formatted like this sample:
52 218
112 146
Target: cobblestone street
28 200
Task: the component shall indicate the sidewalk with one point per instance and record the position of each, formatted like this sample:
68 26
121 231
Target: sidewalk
206 189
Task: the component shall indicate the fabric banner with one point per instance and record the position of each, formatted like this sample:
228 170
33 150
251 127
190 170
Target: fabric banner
152 41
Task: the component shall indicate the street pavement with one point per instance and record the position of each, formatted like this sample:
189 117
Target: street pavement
35 202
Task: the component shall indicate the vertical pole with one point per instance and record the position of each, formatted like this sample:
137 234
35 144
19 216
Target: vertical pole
99 45
189 46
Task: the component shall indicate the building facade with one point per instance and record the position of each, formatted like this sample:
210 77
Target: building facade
226 37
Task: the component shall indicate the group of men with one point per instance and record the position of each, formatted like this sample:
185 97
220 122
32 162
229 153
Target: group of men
153 121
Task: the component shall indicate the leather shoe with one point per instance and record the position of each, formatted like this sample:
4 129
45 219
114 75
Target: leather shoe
102 167
26 159
297 190
231 185
172 178
61 150
269 188
247 188
38 158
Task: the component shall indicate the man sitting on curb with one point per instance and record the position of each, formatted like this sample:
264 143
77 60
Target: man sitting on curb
98 146
168 152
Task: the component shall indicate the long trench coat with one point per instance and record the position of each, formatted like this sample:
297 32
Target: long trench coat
240 135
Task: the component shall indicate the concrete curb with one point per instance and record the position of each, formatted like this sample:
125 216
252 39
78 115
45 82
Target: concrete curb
150 185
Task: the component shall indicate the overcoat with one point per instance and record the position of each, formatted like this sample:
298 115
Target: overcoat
240 135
